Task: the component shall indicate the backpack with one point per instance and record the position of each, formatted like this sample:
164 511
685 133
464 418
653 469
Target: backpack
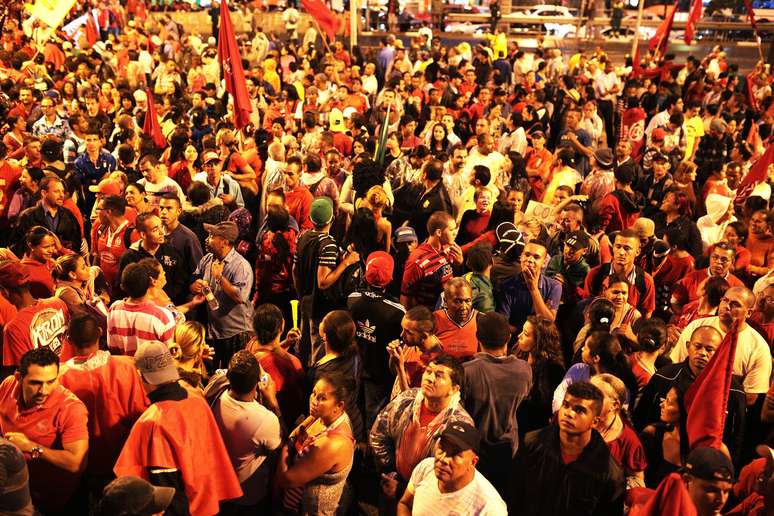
351 280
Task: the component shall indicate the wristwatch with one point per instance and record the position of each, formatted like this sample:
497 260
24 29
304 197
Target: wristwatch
36 452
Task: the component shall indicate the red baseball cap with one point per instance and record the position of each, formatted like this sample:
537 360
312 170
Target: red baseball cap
13 274
379 268
107 187
658 134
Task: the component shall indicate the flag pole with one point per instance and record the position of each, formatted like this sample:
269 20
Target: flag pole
353 24
636 38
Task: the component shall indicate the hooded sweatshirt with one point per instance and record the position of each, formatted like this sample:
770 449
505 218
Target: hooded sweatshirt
711 229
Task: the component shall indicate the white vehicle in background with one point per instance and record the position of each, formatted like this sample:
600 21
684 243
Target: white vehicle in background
560 30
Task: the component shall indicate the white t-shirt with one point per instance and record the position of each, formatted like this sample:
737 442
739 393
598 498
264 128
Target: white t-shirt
752 360
250 432
478 498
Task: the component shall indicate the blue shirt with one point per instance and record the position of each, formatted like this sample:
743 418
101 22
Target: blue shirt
516 301
231 318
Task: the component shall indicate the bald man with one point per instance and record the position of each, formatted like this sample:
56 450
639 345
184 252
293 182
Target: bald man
753 356
703 343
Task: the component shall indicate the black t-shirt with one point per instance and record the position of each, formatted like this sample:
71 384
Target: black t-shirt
377 321
314 249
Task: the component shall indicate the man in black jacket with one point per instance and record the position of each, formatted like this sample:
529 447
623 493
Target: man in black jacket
705 340
152 245
378 322
434 198
566 468
50 214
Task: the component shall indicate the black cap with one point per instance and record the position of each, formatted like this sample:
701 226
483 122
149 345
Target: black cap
660 156
625 174
134 495
577 240
463 435
709 464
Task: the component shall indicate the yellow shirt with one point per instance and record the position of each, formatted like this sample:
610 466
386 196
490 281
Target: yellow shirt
694 129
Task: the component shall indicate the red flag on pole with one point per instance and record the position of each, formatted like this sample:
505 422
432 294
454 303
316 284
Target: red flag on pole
92 31
693 16
660 39
328 21
751 14
233 73
756 175
707 398
151 125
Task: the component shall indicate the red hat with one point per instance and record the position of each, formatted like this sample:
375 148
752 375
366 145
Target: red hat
107 187
671 498
658 134
378 270
13 274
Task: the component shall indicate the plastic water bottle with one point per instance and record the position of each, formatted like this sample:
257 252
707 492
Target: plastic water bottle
212 302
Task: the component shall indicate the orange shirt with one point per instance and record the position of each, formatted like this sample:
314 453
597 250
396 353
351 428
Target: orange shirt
60 420
458 340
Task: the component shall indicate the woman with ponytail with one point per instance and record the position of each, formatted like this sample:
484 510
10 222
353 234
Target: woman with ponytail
72 275
601 353
615 427
273 278
666 442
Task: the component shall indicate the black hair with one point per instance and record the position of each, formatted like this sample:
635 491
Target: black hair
339 331
342 385
601 313
35 236
267 323
587 391
65 265
651 335
42 356
84 330
115 204
612 359
715 288
199 193
457 372
135 280
277 219
479 257
243 373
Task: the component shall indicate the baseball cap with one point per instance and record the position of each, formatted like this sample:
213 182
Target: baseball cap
405 234
658 134
134 495
336 119
321 211
463 435
156 364
577 240
226 229
349 111
13 274
538 134
660 249
625 174
661 157
379 268
709 464
508 237
107 187
492 329
210 156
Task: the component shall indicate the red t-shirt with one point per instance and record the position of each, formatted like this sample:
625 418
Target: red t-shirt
182 435
627 450
299 202
43 323
9 178
110 247
687 290
61 419
7 311
110 388
288 375
41 282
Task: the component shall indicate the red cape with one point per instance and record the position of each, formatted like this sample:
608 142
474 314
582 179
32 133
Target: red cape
183 435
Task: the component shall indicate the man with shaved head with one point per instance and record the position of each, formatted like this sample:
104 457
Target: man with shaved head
703 343
753 356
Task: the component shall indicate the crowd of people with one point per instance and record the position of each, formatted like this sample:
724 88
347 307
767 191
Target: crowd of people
423 279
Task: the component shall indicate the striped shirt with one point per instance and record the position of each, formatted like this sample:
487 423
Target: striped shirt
131 325
425 274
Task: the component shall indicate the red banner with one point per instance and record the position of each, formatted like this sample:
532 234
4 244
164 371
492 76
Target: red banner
327 20
756 175
151 125
633 129
233 73
660 40
693 16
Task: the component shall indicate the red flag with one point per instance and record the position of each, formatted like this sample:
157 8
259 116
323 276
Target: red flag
750 94
751 15
92 31
756 175
693 16
670 498
328 21
233 73
707 398
636 65
633 129
660 39
151 125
